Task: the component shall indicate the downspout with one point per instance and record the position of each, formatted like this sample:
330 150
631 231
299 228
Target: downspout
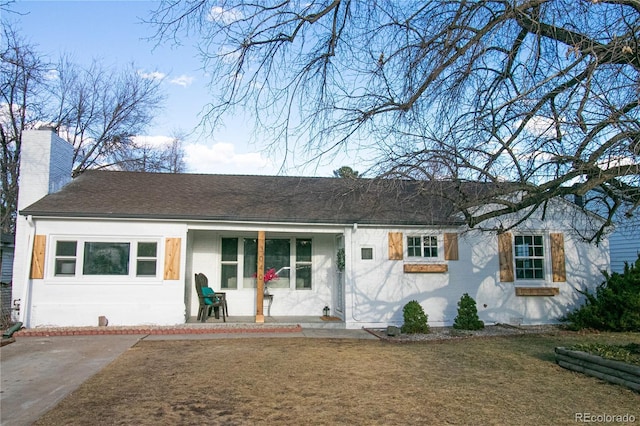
26 291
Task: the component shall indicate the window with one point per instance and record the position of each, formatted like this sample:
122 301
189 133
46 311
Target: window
303 264
229 266
529 257
106 258
291 258
65 263
147 260
425 246
366 253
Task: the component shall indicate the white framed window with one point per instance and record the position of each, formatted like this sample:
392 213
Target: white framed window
65 258
529 255
423 246
229 264
105 258
303 264
147 259
291 258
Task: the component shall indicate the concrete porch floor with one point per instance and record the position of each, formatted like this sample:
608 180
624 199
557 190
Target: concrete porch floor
303 321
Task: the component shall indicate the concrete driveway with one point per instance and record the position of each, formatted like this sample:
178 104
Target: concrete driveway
38 372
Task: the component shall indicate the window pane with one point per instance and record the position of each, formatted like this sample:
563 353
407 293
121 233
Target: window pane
230 249
65 267
277 254
229 278
414 248
66 248
366 253
147 249
250 257
303 277
303 250
106 258
146 268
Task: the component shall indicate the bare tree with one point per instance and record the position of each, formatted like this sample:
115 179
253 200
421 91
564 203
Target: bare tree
145 157
22 77
101 110
542 94
96 109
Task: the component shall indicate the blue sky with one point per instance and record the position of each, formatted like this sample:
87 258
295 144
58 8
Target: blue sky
112 32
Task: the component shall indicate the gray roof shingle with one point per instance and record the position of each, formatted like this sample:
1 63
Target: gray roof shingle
250 198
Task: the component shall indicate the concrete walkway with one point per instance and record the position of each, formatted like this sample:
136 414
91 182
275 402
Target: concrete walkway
38 372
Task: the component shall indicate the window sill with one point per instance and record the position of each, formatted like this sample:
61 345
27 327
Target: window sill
537 291
425 268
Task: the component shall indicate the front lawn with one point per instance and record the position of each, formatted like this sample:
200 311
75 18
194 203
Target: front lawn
505 380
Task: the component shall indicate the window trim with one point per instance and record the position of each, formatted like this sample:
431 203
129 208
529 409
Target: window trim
293 262
79 275
439 248
544 257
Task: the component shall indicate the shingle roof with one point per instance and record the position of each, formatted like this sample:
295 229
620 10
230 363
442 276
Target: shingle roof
249 198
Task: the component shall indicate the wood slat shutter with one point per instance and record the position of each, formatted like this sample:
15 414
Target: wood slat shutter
395 246
505 255
557 258
37 257
450 246
172 259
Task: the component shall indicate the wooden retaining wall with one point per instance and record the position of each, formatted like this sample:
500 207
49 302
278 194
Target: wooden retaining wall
612 371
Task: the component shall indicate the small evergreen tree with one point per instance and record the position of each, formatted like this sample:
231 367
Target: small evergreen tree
467 318
415 319
615 306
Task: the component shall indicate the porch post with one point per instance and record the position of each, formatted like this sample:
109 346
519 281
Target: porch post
260 278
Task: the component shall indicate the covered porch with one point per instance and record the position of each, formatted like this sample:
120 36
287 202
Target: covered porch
310 280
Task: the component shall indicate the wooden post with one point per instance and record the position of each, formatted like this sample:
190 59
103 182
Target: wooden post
260 279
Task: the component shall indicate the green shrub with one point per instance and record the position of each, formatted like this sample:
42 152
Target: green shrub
615 306
467 318
415 320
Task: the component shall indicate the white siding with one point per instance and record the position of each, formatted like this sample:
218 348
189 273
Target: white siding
80 300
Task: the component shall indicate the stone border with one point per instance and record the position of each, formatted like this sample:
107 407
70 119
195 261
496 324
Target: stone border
93 331
616 372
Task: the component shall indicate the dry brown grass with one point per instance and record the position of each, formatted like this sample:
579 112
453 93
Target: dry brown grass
329 381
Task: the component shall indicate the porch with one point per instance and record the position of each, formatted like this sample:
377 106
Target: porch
302 321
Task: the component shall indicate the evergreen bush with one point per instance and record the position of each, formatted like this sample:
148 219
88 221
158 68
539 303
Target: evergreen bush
415 319
467 318
615 306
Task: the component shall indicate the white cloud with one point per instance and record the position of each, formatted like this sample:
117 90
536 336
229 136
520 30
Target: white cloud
183 80
153 141
221 158
153 75
217 13
52 75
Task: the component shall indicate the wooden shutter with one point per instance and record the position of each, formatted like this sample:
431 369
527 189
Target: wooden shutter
172 259
395 246
450 246
37 257
558 258
505 255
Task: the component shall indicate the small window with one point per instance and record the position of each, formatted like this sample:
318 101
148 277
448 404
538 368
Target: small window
529 257
229 264
303 264
147 259
106 258
66 258
366 253
425 246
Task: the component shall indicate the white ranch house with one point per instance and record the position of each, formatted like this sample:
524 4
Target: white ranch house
127 245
